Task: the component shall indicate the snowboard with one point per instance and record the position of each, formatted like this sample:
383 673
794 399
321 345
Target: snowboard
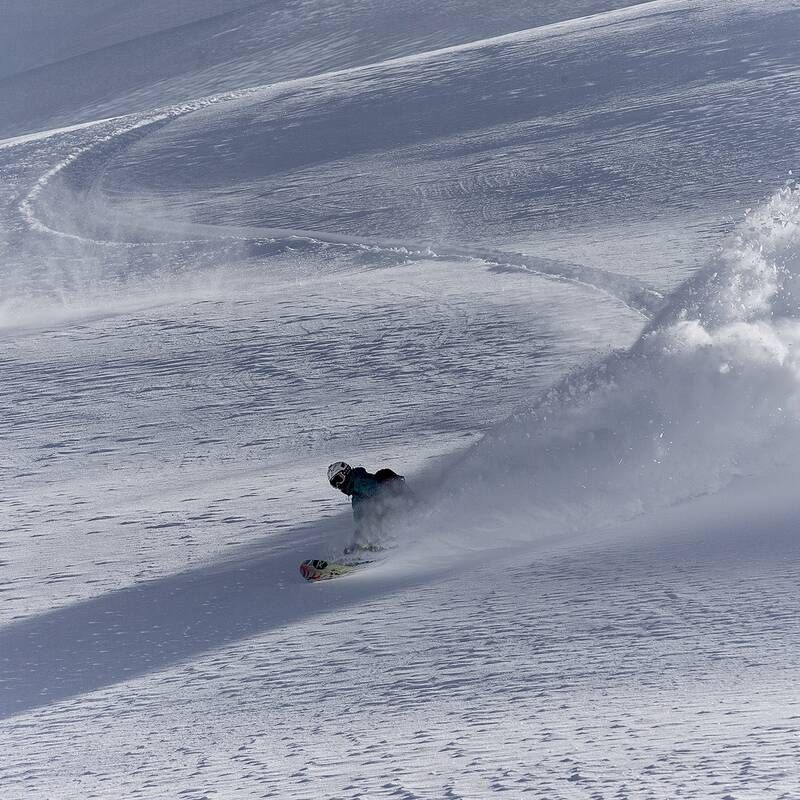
317 569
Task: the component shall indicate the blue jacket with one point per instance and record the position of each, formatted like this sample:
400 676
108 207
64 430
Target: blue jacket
363 487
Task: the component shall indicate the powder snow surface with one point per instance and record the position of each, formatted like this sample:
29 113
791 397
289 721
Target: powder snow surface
544 259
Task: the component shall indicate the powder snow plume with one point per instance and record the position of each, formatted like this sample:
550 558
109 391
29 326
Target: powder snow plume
710 392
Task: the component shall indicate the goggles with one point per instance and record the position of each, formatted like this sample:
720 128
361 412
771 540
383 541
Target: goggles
338 480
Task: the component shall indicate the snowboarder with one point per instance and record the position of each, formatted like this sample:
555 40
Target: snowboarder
374 497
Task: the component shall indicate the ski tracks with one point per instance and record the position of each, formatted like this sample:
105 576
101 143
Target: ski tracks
80 172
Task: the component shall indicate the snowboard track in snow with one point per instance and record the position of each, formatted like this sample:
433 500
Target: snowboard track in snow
78 172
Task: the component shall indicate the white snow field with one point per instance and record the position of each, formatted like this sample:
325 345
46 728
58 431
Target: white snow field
542 258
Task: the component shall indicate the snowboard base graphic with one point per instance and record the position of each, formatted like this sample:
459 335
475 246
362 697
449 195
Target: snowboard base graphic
317 569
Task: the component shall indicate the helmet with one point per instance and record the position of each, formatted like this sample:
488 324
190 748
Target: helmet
338 473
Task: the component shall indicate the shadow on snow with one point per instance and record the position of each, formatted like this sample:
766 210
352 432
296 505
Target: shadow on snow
151 626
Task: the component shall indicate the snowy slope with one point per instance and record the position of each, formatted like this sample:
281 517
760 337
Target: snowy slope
101 57
541 258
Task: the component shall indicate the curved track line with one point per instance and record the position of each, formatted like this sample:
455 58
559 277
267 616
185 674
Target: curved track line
137 122
634 293
173 112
